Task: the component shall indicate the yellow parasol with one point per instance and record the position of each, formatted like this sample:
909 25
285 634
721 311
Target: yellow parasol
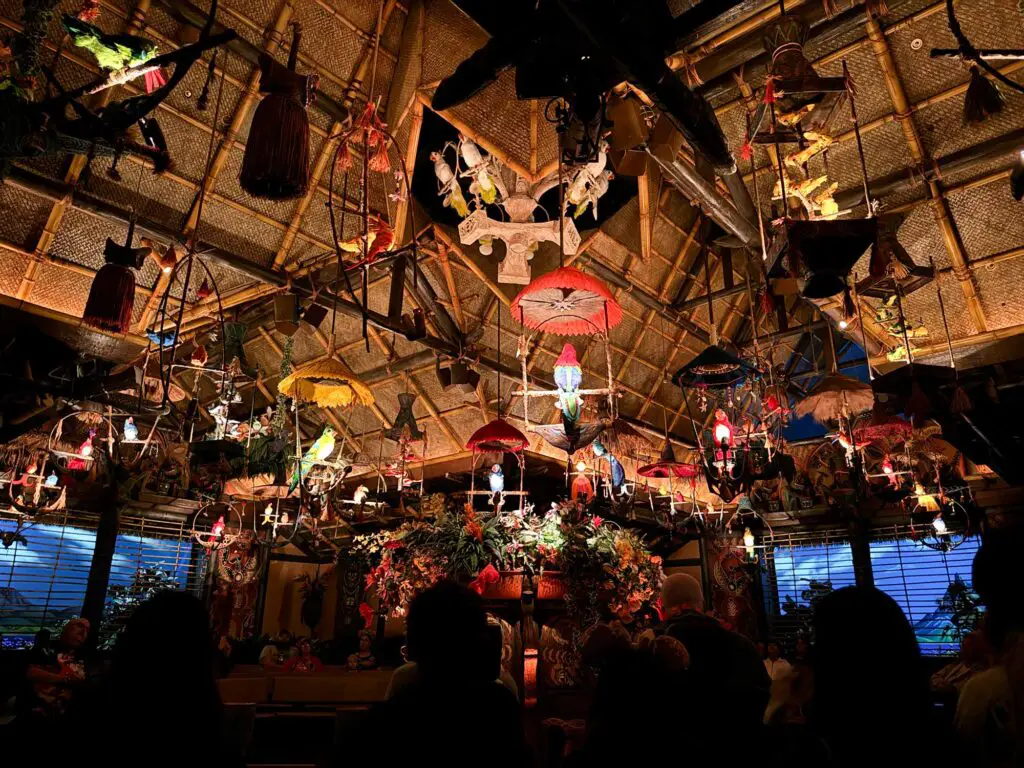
328 383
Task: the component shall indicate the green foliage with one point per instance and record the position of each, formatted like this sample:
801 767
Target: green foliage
123 599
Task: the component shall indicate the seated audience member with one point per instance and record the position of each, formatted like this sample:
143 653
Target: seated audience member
801 651
408 674
363 658
725 672
303 660
159 705
990 704
54 673
454 714
776 666
277 652
973 658
871 700
636 716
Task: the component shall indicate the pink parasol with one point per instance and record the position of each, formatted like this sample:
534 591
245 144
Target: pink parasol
497 436
567 302
667 467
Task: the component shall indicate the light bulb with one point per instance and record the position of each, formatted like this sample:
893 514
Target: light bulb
843 325
581 466
748 539
86 449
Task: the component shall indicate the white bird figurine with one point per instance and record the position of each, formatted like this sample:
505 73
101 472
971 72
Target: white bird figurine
360 494
496 478
51 479
131 432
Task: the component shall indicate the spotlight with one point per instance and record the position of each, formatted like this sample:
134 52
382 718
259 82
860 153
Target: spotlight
843 325
169 260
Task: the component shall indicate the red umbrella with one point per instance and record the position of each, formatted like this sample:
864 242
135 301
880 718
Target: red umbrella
567 302
497 436
667 467
883 426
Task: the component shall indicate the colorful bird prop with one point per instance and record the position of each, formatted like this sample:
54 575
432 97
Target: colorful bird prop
360 494
487 576
218 528
581 485
321 448
449 185
496 479
618 472
568 377
52 479
131 432
379 239
112 52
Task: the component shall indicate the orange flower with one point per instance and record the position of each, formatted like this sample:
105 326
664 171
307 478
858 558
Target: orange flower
473 528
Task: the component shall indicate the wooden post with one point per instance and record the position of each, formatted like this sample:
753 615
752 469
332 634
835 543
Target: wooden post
99 568
860 548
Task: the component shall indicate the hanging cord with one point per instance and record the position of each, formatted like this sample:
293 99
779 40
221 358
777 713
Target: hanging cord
863 331
500 414
561 202
195 232
707 275
942 312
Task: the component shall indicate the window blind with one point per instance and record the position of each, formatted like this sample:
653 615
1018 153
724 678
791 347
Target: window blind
43 577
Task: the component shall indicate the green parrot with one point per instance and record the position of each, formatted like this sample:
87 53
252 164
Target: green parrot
321 448
112 52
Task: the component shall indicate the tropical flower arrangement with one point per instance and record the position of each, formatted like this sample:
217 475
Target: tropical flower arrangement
607 570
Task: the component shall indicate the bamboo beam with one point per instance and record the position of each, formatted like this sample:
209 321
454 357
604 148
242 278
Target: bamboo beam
273 36
950 236
46 313
453 292
73 173
940 348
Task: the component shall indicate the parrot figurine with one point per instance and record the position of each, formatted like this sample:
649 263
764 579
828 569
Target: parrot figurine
568 377
52 479
218 528
360 495
496 478
581 486
449 185
321 448
618 472
162 339
379 239
131 432
112 52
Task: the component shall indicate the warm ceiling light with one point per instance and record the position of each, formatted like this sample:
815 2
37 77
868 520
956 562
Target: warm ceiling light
581 466
169 260
843 325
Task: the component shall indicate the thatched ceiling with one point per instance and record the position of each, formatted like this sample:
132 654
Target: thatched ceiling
50 247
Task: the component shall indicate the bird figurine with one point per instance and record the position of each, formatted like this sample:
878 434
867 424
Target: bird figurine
131 432
218 528
200 356
321 448
162 339
496 478
568 377
52 479
618 472
360 495
204 291
114 52
449 185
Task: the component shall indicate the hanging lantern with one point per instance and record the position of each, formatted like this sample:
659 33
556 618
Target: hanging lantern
722 430
328 383
497 436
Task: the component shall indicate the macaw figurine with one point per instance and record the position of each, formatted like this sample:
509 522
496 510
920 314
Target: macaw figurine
568 377
360 495
890 472
321 448
496 478
218 528
131 432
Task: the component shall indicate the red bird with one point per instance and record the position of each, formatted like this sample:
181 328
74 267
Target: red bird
218 528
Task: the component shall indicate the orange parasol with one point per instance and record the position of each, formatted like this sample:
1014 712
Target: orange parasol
567 302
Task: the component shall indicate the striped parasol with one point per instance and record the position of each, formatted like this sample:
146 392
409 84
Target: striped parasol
567 302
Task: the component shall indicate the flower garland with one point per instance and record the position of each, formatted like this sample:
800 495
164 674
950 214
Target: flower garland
607 570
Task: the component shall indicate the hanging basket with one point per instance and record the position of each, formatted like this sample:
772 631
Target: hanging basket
497 436
567 302
328 383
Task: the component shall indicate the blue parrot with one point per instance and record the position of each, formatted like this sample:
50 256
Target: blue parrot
497 479
321 448
162 339
131 432
568 377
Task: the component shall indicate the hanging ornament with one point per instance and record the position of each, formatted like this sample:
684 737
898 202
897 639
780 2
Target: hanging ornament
275 165
112 294
405 426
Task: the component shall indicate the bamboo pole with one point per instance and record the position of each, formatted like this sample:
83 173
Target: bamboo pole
950 236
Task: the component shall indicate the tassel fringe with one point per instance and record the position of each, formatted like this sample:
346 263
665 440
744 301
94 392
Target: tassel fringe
276 161
983 98
960 403
830 8
849 308
111 299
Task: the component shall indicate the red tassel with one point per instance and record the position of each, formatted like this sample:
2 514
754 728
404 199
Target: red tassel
343 162
275 165
849 308
918 406
155 79
90 11
961 403
769 91
747 151
379 162
111 299
767 301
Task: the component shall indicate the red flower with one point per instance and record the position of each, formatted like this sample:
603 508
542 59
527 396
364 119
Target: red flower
473 528
367 613
393 544
596 521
